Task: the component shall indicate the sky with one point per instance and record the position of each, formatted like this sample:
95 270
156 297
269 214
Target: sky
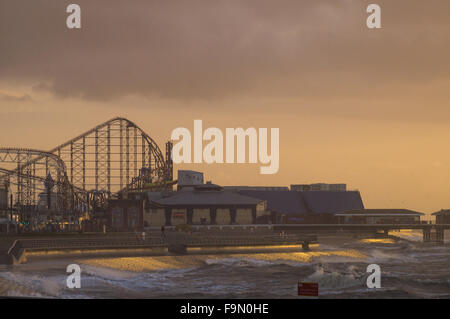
366 107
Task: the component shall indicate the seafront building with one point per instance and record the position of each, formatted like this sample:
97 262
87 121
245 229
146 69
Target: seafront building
442 216
196 202
379 216
319 187
309 207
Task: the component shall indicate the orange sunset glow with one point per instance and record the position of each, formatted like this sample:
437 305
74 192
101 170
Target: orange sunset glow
369 108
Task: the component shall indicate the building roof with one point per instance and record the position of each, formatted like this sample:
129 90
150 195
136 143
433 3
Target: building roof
283 202
189 171
154 195
331 202
380 212
256 188
308 202
204 197
208 186
442 212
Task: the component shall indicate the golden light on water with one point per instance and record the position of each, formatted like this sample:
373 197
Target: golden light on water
378 240
142 264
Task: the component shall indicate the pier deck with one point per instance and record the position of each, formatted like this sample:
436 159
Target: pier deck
207 236
174 242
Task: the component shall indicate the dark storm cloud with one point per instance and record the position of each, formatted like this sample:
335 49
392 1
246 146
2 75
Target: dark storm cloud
206 49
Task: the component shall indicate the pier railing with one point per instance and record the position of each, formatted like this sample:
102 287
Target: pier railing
173 241
187 239
239 240
219 236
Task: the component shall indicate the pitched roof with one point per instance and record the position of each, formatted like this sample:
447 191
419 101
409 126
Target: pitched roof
256 188
330 202
154 195
442 212
206 198
283 202
379 212
319 202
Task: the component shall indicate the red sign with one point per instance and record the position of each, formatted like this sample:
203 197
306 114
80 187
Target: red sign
310 289
178 215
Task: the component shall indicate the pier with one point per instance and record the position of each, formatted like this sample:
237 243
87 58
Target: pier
432 233
172 242
202 236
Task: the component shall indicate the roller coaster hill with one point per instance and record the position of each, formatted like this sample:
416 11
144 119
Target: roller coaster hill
74 181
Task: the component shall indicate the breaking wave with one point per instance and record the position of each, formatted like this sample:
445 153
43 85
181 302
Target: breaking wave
409 269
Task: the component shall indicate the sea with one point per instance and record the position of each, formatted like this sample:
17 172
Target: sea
409 269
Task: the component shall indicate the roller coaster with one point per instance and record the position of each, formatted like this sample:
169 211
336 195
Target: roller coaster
111 158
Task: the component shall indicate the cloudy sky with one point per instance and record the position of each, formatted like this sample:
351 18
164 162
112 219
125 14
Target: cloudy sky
365 107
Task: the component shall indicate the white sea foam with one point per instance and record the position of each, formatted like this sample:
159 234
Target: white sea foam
336 269
415 235
253 262
106 273
333 280
43 286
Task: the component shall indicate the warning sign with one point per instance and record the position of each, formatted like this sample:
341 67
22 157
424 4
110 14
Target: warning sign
310 289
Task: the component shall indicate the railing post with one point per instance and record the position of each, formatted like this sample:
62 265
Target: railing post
426 235
439 234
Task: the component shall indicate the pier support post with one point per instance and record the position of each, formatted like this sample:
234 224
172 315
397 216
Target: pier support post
233 215
440 235
213 215
168 216
254 215
177 249
426 235
189 215
305 245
